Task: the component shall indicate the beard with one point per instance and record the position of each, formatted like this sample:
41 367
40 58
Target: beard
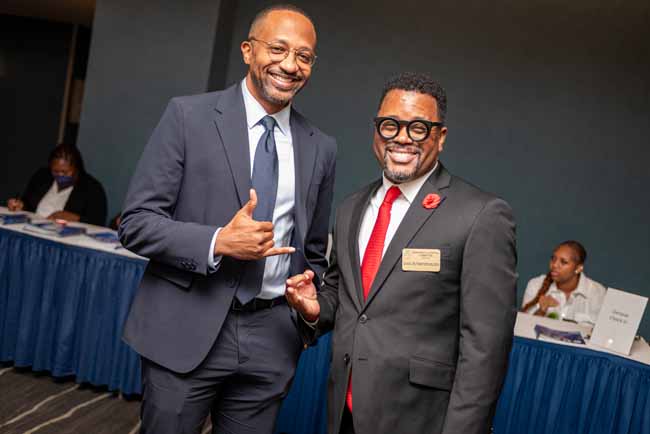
271 94
402 174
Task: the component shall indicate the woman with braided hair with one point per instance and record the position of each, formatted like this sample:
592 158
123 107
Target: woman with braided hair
565 292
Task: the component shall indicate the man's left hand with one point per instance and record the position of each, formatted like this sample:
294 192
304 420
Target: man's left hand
301 294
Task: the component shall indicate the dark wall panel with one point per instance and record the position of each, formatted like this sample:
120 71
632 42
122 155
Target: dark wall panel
142 54
33 65
549 104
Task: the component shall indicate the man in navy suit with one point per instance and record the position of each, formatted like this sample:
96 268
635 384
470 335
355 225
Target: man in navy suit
231 196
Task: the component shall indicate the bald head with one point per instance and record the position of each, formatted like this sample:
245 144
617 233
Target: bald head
280 53
262 16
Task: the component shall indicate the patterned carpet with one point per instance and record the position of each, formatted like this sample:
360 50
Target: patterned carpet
36 403
33 402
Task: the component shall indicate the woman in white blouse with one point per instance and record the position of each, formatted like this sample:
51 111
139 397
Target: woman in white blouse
565 292
63 190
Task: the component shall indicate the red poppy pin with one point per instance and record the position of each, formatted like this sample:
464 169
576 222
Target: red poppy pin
431 201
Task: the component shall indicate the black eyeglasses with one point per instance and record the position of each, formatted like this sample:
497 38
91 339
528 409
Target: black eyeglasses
417 129
278 52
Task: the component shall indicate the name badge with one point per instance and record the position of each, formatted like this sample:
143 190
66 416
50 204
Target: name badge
421 260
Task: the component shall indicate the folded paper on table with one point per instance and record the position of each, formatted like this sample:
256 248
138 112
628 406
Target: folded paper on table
618 321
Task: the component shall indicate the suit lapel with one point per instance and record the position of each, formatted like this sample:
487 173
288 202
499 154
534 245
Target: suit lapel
415 217
304 156
356 217
232 129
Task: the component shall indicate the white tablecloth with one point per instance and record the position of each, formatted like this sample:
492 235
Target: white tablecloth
525 328
73 240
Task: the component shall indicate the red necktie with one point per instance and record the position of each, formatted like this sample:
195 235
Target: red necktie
373 254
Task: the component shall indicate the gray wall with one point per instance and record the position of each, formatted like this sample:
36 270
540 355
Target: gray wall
549 107
33 65
142 54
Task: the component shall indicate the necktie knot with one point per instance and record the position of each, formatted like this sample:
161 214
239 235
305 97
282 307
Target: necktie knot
268 122
392 194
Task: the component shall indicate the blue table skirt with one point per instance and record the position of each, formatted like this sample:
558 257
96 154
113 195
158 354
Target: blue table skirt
62 308
559 389
304 410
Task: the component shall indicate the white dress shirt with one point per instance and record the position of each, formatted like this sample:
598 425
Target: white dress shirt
582 305
401 205
276 269
53 201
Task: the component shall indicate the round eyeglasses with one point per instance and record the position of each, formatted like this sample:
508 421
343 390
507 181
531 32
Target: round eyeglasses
278 52
417 129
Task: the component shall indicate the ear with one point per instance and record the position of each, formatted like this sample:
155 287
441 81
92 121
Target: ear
246 51
441 139
579 269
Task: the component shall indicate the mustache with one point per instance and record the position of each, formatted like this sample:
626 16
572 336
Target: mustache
285 75
391 146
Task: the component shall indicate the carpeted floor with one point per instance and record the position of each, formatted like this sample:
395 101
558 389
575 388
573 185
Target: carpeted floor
37 403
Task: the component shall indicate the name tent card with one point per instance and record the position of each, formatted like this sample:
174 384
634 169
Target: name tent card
618 321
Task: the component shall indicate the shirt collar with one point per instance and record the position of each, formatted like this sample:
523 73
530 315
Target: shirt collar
582 285
409 189
255 112
580 289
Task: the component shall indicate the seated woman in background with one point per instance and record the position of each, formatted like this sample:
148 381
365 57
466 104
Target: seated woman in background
64 190
565 292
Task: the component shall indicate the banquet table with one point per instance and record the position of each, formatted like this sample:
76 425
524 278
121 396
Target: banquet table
63 302
62 305
560 387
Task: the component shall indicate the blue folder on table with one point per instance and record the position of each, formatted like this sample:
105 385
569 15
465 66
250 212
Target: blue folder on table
13 218
105 237
49 228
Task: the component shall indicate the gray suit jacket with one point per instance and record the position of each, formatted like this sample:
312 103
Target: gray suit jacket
428 350
193 176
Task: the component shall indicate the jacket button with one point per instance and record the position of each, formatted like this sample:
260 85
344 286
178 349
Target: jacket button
363 318
346 359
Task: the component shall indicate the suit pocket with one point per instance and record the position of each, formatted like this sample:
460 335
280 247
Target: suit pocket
180 278
431 374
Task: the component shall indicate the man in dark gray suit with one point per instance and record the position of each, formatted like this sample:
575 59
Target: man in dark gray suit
420 290
231 196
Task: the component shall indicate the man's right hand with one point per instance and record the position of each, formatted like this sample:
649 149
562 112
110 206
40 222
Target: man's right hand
301 295
15 204
247 239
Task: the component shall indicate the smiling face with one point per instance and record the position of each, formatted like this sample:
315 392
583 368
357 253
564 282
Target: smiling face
275 83
564 265
401 158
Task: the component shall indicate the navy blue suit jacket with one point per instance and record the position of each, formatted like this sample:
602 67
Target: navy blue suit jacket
193 176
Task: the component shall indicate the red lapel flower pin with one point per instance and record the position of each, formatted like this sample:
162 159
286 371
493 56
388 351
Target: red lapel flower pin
431 201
